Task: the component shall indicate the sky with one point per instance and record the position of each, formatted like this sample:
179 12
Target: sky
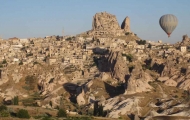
40 18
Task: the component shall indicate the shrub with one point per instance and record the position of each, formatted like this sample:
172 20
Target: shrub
62 113
69 38
79 118
4 113
50 103
29 54
35 63
21 63
127 33
47 118
120 117
141 42
3 107
31 42
129 57
23 49
23 114
4 62
175 96
149 45
144 67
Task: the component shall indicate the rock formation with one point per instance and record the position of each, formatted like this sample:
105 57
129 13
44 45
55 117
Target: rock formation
80 99
170 82
121 107
162 79
126 25
138 81
104 76
118 66
105 21
185 40
105 24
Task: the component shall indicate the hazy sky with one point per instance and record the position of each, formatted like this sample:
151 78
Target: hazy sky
40 18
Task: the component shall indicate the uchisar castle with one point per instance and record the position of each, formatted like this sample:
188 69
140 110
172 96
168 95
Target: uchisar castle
107 72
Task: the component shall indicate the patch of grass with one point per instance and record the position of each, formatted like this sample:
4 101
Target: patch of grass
80 118
4 113
29 102
3 107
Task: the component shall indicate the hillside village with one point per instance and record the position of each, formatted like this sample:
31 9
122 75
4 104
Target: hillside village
108 65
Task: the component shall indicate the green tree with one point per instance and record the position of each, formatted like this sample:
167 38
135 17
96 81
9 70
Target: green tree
4 61
62 113
95 108
23 114
15 100
100 111
69 38
129 57
149 45
141 42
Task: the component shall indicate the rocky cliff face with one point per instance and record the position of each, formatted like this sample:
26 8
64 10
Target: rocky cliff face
185 40
117 66
126 25
138 81
105 21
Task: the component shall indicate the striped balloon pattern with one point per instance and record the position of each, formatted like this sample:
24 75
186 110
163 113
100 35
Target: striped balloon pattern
168 23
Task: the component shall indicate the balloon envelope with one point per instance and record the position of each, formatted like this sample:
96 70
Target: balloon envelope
168 23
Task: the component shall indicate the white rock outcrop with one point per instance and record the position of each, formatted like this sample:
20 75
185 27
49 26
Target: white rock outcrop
80 99
162 79
170 82
121 107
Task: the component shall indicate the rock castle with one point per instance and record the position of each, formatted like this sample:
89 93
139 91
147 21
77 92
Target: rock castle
105 24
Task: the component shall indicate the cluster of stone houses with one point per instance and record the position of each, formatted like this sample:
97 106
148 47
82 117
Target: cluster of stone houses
77 51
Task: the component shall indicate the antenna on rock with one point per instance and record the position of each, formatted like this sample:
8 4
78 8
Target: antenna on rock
63 31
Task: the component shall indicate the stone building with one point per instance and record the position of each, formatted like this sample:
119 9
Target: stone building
183 48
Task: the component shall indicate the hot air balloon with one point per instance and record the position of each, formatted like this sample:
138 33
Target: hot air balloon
168 23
